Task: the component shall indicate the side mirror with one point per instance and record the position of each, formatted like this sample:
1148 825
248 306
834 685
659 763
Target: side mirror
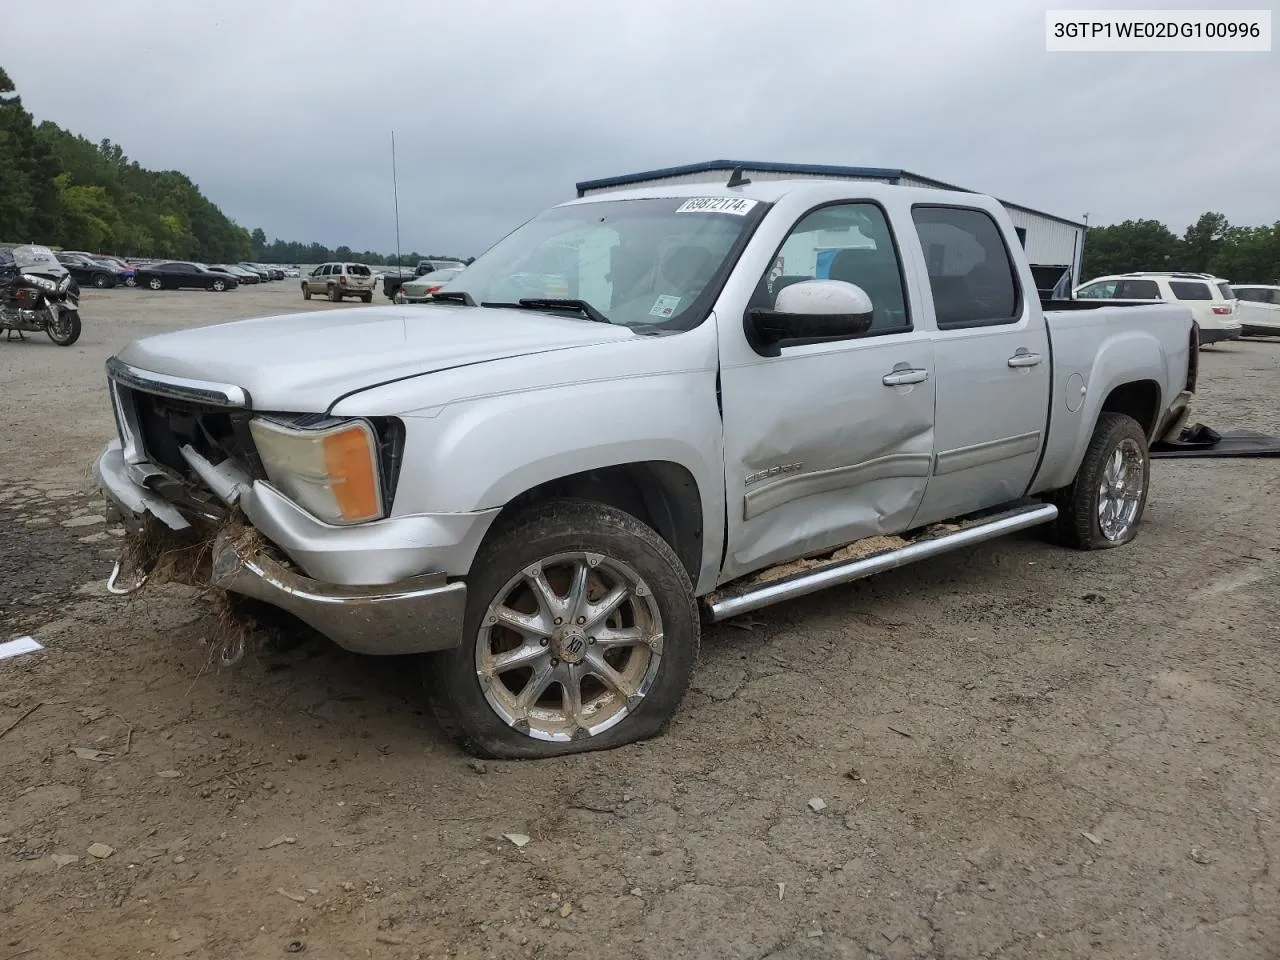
810 311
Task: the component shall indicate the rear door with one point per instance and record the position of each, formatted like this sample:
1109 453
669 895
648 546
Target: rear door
991 354
827 442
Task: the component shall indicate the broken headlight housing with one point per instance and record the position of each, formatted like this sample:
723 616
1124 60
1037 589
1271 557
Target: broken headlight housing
342 471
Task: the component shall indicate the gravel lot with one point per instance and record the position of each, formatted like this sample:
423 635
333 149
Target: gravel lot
1023 752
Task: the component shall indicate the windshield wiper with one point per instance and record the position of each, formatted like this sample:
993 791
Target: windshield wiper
453 296
555 303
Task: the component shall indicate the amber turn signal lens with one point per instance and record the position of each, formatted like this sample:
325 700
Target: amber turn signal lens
349 462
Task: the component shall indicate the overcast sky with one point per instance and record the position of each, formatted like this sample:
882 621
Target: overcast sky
282 111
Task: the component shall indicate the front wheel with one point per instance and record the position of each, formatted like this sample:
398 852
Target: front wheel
580 634
219 286
1103 506
155 283
66 329
101 281
306 292
334 295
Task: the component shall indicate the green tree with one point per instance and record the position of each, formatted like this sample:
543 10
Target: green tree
1202 241
1131 245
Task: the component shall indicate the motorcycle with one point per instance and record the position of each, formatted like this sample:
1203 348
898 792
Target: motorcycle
30 303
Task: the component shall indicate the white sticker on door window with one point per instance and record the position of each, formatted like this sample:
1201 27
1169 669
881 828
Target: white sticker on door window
664 306
738 206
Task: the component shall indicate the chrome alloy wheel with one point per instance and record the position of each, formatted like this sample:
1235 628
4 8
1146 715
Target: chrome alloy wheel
1121 489
569 646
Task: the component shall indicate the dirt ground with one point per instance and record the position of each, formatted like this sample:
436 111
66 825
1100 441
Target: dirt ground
1023 752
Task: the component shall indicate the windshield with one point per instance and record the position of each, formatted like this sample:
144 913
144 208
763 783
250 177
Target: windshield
637 262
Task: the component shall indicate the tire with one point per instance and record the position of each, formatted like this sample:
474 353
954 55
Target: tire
334 295
609 549
366 298
101 281
218 286
72 333
155 283
1080 521
131 281
306 292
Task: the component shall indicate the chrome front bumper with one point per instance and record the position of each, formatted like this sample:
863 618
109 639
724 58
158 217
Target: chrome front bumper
416 615
361 586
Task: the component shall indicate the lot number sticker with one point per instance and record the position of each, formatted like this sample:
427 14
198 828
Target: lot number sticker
664 306
735 205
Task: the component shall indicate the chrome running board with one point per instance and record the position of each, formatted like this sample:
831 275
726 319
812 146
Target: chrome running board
727 602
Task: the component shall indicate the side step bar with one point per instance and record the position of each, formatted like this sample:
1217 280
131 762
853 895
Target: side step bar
829 576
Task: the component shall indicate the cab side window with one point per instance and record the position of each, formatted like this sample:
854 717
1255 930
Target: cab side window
847 241
970 272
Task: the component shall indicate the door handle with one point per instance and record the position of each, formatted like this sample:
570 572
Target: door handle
901 377
1025 359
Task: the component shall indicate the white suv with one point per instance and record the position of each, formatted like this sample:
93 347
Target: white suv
1259 309
1212 300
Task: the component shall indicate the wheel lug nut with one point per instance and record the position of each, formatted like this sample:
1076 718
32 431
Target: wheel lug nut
558 621
582 620
555 662
542 642
591 640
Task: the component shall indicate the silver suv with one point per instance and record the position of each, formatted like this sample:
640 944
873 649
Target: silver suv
337 281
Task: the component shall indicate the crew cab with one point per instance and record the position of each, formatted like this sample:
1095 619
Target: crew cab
638 412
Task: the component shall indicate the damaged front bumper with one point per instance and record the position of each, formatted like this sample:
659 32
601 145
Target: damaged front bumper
362 587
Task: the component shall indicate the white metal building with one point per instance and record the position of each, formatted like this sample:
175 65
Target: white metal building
1052 243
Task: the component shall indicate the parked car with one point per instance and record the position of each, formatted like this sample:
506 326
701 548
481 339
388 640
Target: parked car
94 273
292 271
337 281
128 271
395 277
421 288
183 274
427 266
1212 301
275 272
263 273
1259 309
240 273
742 438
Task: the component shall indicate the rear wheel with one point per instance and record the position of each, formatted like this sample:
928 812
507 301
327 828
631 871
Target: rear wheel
101 281
130 281
334 295
1104 504
581 634
155 283
367 297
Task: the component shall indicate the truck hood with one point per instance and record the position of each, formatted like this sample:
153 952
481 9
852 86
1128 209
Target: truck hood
303 362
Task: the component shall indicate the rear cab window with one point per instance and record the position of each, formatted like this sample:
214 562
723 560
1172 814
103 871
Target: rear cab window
971 274
358 270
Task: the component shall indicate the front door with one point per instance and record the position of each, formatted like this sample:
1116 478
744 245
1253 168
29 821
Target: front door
828 442
993 367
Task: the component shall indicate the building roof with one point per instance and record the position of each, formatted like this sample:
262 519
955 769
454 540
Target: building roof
889 174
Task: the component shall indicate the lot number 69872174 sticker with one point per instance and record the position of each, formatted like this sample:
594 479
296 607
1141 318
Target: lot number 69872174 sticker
738 206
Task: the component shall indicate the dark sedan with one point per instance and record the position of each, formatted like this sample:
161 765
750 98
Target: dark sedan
94 273
182 274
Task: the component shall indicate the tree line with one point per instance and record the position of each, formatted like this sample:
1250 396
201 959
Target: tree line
61 190
1210 245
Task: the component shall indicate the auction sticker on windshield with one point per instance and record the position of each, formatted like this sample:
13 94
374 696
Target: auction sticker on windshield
738 206
664 306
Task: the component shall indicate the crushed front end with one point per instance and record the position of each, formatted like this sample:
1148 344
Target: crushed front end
289 509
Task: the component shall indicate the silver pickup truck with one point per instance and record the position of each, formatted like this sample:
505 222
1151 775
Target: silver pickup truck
637 413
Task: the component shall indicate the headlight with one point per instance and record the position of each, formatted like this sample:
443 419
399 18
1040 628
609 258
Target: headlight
330 471
43 283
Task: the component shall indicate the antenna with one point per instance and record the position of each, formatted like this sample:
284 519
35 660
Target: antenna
395 191
736 179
